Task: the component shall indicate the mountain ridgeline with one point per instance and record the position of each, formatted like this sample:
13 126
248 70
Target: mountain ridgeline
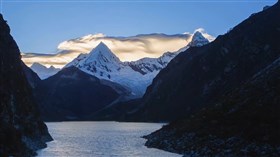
225 95
22 131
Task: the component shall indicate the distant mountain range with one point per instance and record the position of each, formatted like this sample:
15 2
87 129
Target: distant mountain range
136 75
104 64
99 79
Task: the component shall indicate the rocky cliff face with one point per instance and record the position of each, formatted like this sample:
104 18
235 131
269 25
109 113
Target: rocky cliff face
21 129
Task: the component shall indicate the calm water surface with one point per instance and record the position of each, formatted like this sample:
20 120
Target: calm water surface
101 139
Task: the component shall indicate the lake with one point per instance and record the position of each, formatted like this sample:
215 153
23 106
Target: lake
101 139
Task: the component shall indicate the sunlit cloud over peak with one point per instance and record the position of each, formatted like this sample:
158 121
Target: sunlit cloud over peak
126 48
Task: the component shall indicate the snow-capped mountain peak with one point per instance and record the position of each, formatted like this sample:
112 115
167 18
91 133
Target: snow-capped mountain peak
100 62
103 54
198 40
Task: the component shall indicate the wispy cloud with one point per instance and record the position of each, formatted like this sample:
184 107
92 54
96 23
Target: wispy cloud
126 48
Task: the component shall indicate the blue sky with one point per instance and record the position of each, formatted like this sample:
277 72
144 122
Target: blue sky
39 26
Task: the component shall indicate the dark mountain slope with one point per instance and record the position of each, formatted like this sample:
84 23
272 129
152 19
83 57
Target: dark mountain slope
72 94
245 122
201 75
21 129
234 118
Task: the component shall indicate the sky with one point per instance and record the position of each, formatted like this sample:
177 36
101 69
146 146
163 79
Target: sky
39 26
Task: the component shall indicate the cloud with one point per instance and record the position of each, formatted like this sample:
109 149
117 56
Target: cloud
126 48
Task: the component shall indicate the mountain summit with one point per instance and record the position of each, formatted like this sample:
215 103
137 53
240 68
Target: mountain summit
101 62
198 40
103 55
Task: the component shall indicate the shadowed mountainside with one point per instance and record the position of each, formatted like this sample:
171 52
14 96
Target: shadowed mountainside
228 92
200 75
72 94
22 131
